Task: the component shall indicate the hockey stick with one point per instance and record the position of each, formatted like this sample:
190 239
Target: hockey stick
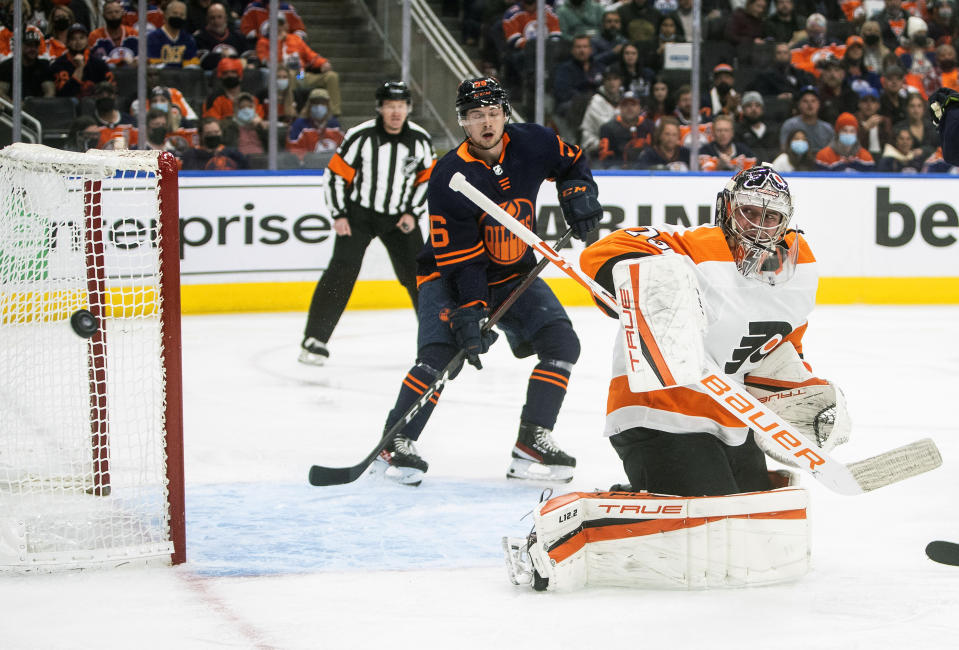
855 478
943 552
320 475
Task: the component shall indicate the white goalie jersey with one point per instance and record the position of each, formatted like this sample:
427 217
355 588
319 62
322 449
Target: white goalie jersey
746 320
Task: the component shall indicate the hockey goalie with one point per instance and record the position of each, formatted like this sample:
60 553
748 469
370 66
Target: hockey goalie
701 509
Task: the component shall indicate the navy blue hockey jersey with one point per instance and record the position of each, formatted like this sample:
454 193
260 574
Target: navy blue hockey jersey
466 245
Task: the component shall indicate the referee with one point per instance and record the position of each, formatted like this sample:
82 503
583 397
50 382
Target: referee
377 188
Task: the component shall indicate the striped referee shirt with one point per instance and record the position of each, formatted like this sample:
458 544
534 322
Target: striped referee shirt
380 171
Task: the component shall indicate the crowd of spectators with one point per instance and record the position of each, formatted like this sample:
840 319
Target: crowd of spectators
831 85
207 80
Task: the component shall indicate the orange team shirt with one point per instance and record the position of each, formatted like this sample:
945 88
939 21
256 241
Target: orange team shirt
292 44
756 318
806 57
222 107
257 13
517 26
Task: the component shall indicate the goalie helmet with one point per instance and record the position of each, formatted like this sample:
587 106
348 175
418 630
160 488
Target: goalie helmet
480 91
754 211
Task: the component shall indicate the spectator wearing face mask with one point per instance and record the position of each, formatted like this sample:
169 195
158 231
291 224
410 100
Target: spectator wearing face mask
752 129
874 53
892 23
61 18
157 130
946 66
796 155
817 44
942 21
104 40
212 154
106 112
171 46
844 153
312 131
84 134
222 102
246 130
285 97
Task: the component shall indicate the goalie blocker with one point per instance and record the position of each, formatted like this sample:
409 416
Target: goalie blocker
625 539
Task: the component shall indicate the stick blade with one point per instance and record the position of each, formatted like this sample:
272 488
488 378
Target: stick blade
896 465
943 552
322 476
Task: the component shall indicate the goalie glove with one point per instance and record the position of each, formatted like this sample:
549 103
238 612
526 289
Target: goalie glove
816 407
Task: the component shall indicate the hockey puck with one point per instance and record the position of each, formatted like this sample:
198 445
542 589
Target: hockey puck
84 323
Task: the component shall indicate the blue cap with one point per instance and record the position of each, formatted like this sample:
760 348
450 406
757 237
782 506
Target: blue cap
807 89
868 91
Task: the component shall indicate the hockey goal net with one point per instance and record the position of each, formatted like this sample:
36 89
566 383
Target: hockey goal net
91 461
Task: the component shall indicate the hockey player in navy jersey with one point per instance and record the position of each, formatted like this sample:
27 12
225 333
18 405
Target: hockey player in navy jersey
470 264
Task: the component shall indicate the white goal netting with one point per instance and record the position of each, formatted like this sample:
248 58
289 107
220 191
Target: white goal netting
84 472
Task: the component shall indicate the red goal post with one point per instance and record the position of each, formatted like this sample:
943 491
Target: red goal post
91 433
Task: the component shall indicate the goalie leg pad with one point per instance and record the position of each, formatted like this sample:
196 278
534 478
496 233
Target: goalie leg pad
662 319
656 541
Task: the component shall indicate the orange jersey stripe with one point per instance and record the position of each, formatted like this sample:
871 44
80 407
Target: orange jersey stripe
460 259
339 167
424 175
462 251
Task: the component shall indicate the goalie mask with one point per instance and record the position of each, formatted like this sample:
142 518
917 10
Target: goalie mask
754 211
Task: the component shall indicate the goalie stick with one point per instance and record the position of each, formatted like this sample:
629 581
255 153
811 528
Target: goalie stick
320 475
855 478
943 552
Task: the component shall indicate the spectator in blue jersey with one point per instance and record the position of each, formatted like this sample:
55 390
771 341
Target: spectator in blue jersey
171 46
666 153
75 72
114 34
212 154
471 264
377 188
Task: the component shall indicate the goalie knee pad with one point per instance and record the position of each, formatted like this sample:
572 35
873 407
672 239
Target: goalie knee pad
657 541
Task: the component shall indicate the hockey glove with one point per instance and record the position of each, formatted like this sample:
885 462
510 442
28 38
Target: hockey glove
581 207
941 101
466 323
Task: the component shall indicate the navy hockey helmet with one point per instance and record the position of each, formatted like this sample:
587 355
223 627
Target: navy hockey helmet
754 210
393 90
480 91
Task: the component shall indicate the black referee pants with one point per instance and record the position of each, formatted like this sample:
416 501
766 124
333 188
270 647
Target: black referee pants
690 464
336 284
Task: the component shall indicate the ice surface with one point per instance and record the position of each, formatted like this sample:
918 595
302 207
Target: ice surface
275 563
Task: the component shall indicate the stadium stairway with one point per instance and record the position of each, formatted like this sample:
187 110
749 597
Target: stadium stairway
339 31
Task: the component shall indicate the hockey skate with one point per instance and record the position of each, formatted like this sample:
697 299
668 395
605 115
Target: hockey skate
400 462
536 457
519 564
313 352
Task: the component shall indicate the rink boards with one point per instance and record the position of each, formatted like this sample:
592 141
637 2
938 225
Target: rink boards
259 241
